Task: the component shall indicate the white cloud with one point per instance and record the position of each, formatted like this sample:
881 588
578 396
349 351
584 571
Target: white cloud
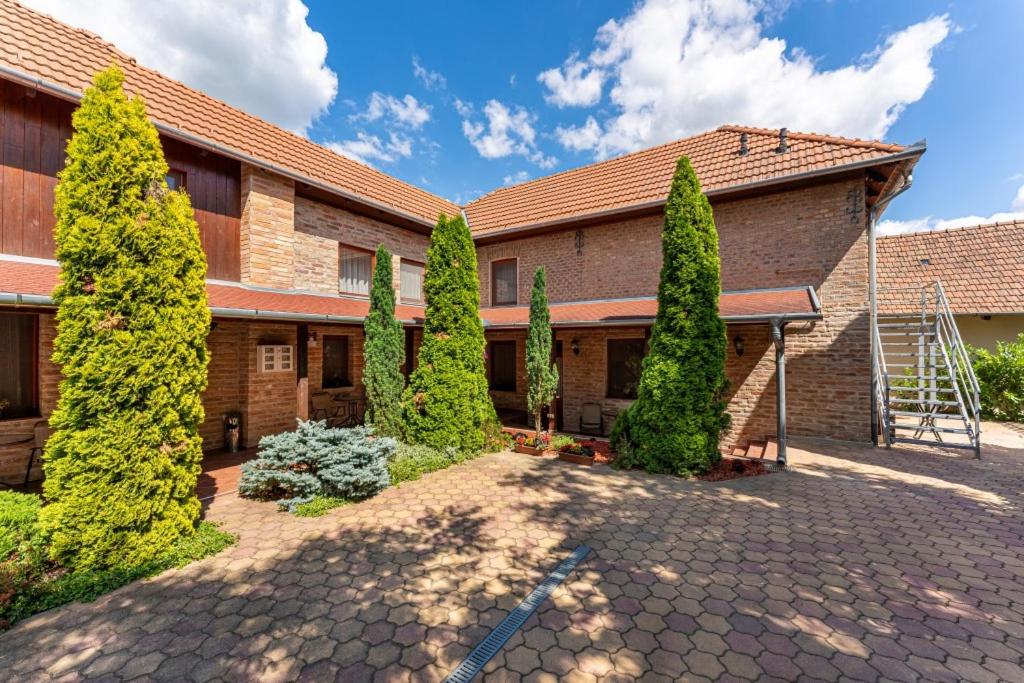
407 111
676 67
262 57
515 178
507 132
367 148
931 223
575 84
433 80
580 138
465 109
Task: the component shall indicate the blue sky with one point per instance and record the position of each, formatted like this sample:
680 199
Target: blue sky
464 100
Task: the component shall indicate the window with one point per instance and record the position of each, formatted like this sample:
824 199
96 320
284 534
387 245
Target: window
355 270
275 358
335 371
18 395
503 365
411 284
624 359
505 282
175 179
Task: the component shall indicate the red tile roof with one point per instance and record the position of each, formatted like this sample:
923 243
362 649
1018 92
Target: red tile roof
643 177
38 279
981 268
43 47
40 47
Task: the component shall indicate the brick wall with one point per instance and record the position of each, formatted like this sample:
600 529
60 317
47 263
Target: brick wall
270 404
810 236
320 228
224 391
268 229
510 399
356 392
13 459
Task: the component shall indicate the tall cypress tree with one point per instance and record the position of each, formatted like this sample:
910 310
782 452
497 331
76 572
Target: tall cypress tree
675 424
446 402
122 464
383 353
541 373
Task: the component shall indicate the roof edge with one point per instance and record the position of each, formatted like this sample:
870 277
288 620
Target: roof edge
73 95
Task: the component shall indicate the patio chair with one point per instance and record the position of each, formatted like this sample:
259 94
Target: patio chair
590 419
41 433
324 407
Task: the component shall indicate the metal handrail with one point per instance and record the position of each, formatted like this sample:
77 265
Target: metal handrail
882 386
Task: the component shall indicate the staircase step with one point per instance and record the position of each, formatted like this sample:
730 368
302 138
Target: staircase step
914 413
932 442
925 402
943 430
758 449
927 390
899 378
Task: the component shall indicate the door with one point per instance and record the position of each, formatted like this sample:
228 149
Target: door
557 405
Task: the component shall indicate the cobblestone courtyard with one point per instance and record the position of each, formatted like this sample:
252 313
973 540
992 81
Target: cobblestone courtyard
857 563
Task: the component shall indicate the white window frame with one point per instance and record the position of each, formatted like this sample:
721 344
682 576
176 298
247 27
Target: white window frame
342 248
275 358
492 280
401 295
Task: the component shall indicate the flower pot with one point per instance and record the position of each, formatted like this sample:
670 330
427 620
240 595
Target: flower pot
529 450
587 460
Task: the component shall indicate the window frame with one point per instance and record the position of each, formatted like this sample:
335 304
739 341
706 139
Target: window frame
608 365
373 265
349 383
494 283
182 173
423 294
33 382
491 356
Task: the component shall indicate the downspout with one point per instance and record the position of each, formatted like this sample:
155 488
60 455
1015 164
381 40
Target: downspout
873 214
778 326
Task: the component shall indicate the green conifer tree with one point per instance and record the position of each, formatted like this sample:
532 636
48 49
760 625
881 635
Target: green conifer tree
541 373
446 402
383 353
675 424
122 464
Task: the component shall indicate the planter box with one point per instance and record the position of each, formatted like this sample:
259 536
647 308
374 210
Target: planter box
529 450
587 460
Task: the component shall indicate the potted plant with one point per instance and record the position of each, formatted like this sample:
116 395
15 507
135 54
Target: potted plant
577 453
532 446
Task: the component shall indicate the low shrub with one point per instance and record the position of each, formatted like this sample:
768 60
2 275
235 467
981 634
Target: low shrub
19 520
30 584
1001 379
560 442
412 462
320 506
317 460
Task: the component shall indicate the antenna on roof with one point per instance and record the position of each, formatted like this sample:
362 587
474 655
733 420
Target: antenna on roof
743 144
783 142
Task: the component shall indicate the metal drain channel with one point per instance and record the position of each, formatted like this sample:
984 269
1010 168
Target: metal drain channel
497 638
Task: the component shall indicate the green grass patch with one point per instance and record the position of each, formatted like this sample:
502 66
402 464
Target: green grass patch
29 585
411 462
320 506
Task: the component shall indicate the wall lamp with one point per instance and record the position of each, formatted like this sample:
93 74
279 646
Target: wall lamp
575 346
737 343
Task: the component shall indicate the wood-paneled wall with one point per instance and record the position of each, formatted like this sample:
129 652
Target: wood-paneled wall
34 129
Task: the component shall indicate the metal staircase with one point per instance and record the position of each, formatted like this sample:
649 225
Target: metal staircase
926 390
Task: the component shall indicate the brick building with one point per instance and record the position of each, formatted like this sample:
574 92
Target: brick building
289 228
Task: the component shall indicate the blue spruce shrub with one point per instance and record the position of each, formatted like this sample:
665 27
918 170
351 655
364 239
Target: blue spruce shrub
316 460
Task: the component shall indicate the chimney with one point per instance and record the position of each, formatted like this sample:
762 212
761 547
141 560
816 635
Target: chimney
744 149
783 142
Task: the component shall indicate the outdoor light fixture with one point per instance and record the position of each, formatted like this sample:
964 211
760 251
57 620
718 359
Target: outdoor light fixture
311 339
575 346
737 344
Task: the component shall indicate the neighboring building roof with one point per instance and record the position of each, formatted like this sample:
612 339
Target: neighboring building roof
43 51
30 282
41 46
643 178
756 305
981 268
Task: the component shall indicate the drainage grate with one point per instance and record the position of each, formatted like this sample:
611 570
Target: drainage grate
497 638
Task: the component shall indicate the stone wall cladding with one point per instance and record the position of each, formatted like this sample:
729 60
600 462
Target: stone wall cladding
320 228
268 229
809 236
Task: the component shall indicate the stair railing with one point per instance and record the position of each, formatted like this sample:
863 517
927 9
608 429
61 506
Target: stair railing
881 373
960 366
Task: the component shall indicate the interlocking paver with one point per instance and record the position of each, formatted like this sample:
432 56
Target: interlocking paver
857 564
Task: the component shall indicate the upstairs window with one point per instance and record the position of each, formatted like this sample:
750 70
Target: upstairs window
502 356
411 284
175 179
355 271
505 282
625 357
336 363
18 357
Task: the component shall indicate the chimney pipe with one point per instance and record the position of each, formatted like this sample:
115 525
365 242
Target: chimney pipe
743 144
783 142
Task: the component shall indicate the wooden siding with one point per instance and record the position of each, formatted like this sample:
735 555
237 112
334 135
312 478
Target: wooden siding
34 129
